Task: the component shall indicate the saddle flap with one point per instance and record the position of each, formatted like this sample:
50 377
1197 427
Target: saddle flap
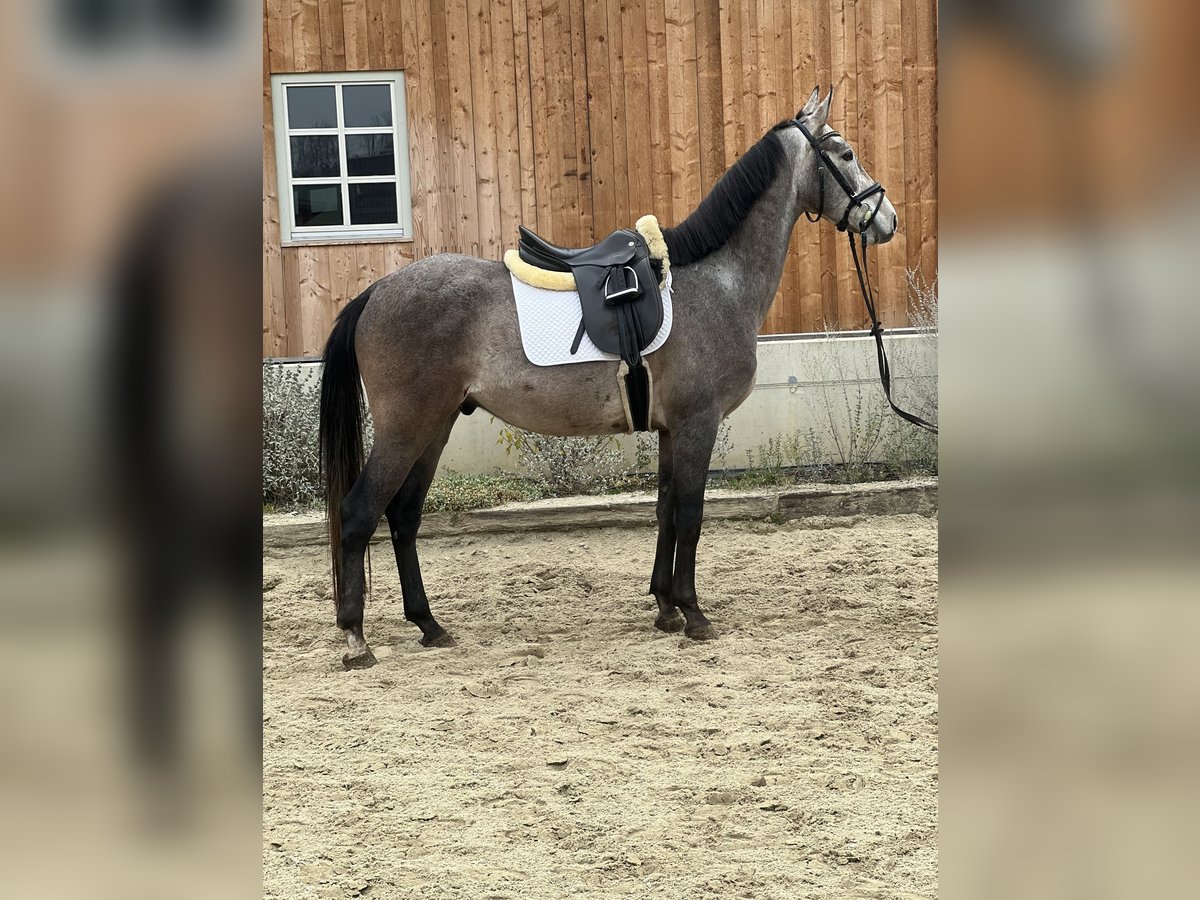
622 306
617 284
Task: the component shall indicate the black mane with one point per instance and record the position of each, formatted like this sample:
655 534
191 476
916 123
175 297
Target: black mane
722 212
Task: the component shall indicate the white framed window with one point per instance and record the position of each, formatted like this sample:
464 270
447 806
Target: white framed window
341 147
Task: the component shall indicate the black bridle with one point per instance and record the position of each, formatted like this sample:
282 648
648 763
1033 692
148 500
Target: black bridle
857 200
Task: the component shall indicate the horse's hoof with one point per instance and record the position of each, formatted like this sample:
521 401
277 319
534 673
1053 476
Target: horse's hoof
669 624
362 660
438 640
701 632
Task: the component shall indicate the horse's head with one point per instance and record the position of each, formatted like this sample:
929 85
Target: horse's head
837 187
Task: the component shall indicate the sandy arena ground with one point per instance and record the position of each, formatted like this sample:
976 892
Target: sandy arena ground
566 748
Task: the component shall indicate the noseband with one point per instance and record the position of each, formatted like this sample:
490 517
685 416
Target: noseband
856 200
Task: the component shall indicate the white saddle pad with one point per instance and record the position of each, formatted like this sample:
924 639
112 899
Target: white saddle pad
550 319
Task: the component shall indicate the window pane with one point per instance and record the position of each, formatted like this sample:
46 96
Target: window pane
367 105
373 204
318 204
370 154
315 156
311 107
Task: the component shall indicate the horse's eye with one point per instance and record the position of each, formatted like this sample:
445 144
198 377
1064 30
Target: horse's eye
848 156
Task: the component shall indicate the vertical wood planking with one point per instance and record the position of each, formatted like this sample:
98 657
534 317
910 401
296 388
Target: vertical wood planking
600 114
620 143
582 147
708 94
682 82
354 28
522 54
560 115
274 321
392 22
890 138
864 116
785 107
910 215
461 129
376 55
844 118
926 17
483 105
280 45
661 178
540 113
731 81
446 182
504 99
575 116
396 256
343 276
747 109
635 42
807 241
316 305
418 87
333 36
306 36
293 319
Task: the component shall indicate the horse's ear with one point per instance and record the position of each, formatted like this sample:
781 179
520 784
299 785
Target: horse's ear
820 115
811 104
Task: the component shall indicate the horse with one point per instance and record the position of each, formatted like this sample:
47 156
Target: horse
440 337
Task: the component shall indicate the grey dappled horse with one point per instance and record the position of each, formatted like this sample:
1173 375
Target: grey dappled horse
440 336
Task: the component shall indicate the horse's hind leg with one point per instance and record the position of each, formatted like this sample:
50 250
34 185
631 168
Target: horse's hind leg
385 471
669 618
404 518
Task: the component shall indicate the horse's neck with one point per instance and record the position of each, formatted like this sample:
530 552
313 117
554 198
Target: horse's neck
758 250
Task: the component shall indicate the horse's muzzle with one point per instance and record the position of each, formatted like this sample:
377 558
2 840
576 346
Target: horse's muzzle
883 226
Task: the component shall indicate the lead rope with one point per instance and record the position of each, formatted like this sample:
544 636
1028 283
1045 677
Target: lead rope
885 371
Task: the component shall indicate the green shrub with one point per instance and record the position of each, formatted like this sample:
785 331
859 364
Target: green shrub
291 477
291 414
454 492
563 466
646 448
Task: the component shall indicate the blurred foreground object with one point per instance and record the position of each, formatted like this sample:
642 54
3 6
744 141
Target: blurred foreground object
129 288
1071 707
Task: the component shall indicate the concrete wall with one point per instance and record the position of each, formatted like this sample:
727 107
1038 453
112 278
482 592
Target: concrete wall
804 382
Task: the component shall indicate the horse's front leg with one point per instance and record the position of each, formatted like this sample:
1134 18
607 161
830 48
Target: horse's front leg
669 618
692 446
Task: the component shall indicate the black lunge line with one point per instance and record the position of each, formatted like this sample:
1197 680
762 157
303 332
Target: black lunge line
824 164
885 370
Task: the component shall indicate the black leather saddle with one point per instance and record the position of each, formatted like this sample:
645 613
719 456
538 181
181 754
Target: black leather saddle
618 290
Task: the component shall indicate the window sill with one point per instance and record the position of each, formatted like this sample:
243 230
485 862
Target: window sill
338 241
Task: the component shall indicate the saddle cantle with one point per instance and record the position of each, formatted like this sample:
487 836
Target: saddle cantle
618 285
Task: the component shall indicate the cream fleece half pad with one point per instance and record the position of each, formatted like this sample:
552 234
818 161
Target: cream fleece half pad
647 227
549 320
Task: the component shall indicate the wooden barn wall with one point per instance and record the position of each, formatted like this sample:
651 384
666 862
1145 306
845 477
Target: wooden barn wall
544 112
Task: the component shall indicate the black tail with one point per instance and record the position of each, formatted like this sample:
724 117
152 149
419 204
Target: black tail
341 435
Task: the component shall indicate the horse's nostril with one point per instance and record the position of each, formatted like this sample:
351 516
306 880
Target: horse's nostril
895 221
